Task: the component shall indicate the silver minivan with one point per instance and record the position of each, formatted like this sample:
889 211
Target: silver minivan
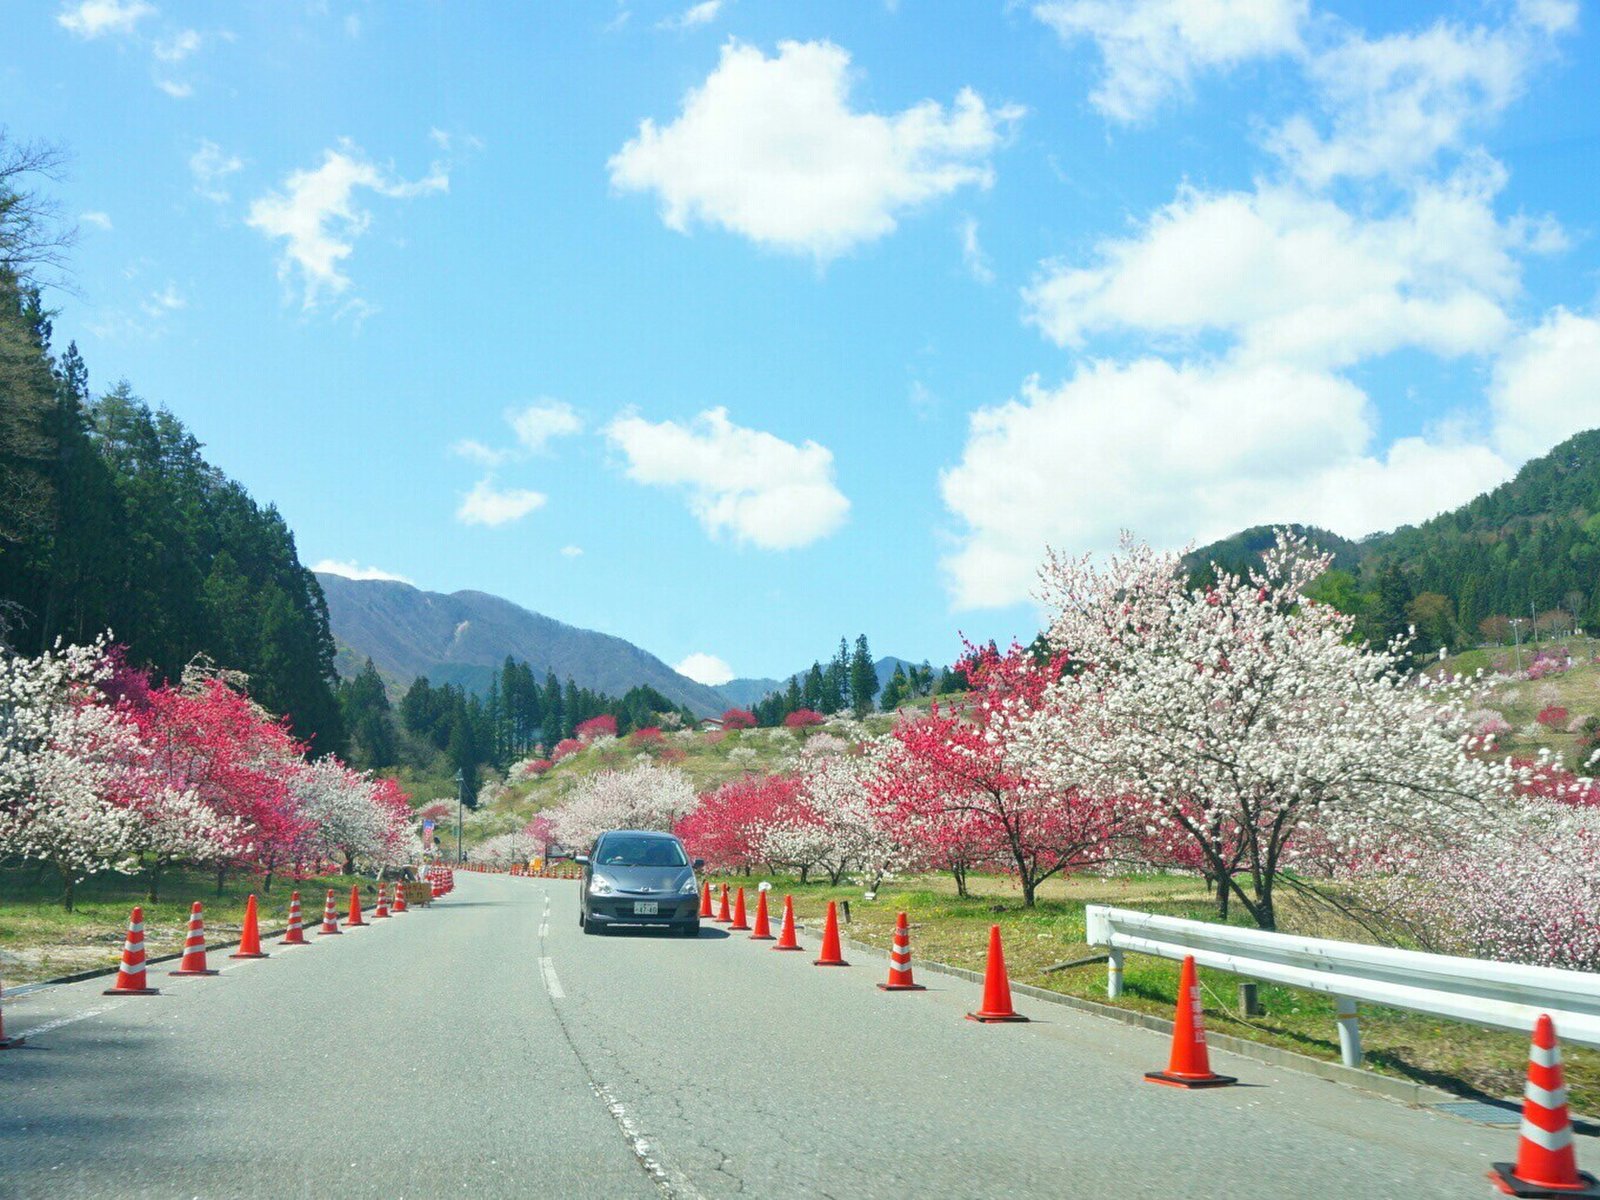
639 877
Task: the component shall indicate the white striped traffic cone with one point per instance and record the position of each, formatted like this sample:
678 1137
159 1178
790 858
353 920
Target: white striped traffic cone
194 947
900 979
295 935
1546 1163
383 905
130 976
330 918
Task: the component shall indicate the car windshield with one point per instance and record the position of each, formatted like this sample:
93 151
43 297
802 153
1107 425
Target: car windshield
640 852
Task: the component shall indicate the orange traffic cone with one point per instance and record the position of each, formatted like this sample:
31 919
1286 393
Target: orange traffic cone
383 905
250 935
1547 1164
399 897
786 939
831 955
724 917
763 930
996 987
5 1042
705 900
740 921
330 918
900 961
130 976
355 907
1190 1065
194 947
296 934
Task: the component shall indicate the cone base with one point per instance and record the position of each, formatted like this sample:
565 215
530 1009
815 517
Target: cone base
379 916
329 932
762 937
738 929
901 987
203 971
788 947
1181 1081
131 992
354 924
829 962
11 1043
984 1018
250 956
301 942
1502 1177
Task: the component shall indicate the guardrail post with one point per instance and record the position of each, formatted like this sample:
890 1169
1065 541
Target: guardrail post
1114 973
1349 1031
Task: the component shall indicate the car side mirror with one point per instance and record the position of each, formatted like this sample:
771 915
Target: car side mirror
699 864
581 859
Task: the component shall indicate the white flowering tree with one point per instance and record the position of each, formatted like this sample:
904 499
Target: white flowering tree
856 831
1246 718
645 796
63 763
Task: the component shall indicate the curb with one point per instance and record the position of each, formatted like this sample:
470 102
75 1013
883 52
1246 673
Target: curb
1418 1095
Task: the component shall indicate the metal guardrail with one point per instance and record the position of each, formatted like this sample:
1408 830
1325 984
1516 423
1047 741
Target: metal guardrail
1494 994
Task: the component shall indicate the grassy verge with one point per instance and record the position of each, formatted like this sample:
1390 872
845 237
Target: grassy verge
950 929
40 940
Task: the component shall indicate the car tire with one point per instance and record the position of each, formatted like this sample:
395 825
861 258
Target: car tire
592 926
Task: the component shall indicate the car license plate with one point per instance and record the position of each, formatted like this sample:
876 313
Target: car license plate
646 908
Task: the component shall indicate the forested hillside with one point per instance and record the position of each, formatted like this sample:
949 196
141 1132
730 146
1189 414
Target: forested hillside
1526 552
111 519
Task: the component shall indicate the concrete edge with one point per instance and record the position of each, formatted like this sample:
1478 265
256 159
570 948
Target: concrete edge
1406 1092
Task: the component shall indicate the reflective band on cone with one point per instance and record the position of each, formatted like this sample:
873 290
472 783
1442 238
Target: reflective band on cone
1189 1065
383 905
130 976
330 917
399 897
1547 1163
194 946
900 979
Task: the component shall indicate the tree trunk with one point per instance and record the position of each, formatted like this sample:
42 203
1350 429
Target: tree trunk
349 864
1223 894
1028 886
266 881
959 871
222 874
66 891
153 894
804 871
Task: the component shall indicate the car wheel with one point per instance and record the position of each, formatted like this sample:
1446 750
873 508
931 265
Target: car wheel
592 926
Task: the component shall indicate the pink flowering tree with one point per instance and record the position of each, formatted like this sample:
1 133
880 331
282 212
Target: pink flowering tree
1245 715
803 718
725 826
605 725
738 718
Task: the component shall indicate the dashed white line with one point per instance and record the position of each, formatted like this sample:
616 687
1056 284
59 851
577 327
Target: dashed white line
671 1183
547 968
60 1021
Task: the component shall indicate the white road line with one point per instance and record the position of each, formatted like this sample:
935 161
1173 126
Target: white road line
60 1021
547 968
671 1183
544 929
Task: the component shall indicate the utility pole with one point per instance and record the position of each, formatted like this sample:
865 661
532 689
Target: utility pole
1516 633
461 800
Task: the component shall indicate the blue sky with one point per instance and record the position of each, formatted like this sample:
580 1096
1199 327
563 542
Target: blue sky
729 327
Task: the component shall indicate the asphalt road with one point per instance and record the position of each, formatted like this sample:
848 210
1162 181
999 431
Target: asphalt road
487 1047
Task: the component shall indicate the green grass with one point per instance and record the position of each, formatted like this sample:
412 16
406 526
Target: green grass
39 939
954 930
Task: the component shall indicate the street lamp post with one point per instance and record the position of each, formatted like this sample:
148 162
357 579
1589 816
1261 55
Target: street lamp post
461 800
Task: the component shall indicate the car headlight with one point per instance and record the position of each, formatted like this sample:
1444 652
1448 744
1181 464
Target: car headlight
599 885
688 888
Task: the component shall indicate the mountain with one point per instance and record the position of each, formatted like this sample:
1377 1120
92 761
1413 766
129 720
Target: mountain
742 693
464 637
1528 548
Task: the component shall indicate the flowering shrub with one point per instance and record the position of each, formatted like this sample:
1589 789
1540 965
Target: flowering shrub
742 755
1490 725
1552 716
802 717
1545 665
530 768
603 725
822 745
738 718
650 735
565 748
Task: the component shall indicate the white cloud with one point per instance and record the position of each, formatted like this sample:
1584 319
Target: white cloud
1290 277
537 424
1544 387
770 149
1180 453
1153 49
350 569
317 216
705 668
572 552
95 18
211 166
470 448
99 220
972 255
1393 104
352 25
167 300
758 488
177 47
696 15
178 91
487 504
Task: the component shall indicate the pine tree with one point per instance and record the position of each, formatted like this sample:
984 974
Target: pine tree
863 678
